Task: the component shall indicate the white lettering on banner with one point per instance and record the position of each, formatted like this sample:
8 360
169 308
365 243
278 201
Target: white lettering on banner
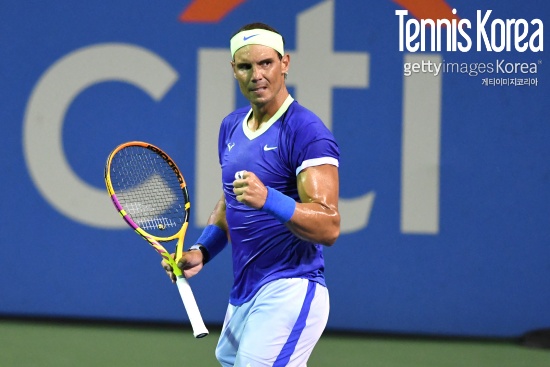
420 153
68 77
45 113
314 56
214 75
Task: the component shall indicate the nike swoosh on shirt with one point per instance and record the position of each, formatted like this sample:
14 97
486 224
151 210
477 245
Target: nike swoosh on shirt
266 148
246 38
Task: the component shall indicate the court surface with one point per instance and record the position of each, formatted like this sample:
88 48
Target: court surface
50 343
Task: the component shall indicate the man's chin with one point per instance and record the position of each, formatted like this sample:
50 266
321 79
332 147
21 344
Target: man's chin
258 99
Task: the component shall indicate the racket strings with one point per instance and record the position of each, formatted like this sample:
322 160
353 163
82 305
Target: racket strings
148 190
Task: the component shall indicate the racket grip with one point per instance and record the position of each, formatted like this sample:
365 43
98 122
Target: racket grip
191 307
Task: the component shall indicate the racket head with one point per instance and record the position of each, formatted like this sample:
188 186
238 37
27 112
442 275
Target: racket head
148 190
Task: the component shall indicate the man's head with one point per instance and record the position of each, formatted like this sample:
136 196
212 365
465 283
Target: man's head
259 63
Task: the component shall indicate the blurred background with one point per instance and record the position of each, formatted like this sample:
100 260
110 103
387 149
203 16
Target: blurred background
445 178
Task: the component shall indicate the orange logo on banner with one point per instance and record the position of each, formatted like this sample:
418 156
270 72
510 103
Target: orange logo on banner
208 11
434 9
212 11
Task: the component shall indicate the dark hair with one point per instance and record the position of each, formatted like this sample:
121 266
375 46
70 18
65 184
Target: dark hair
259 25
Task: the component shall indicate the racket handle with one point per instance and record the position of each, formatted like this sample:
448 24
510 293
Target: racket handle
199 329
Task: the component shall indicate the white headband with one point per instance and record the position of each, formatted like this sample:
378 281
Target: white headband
257 37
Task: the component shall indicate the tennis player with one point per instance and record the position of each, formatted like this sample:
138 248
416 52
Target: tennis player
279 208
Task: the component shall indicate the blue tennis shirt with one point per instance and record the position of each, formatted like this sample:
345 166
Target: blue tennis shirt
263 249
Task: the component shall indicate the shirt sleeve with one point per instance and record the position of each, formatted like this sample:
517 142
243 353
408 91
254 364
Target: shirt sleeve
314 146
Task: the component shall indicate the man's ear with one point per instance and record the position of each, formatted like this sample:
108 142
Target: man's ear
285 61
233 69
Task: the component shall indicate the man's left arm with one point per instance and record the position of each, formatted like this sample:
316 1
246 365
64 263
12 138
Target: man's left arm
316 218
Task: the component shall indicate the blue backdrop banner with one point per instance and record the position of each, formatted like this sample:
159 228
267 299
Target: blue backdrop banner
440 109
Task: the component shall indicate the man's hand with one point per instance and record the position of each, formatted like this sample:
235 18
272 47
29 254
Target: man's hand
190 264
249 189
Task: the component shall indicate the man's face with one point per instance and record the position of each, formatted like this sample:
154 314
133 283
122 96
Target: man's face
260 73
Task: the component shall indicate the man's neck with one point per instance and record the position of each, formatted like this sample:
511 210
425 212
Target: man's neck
262 113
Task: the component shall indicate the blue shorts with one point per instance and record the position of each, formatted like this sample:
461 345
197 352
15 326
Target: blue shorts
278 327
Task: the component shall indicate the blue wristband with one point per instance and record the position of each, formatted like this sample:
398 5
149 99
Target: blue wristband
213 239
279 205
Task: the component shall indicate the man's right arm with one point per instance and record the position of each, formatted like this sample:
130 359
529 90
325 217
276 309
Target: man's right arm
217 217
193 261
215 236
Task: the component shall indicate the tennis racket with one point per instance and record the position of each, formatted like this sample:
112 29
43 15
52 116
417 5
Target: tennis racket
149 192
